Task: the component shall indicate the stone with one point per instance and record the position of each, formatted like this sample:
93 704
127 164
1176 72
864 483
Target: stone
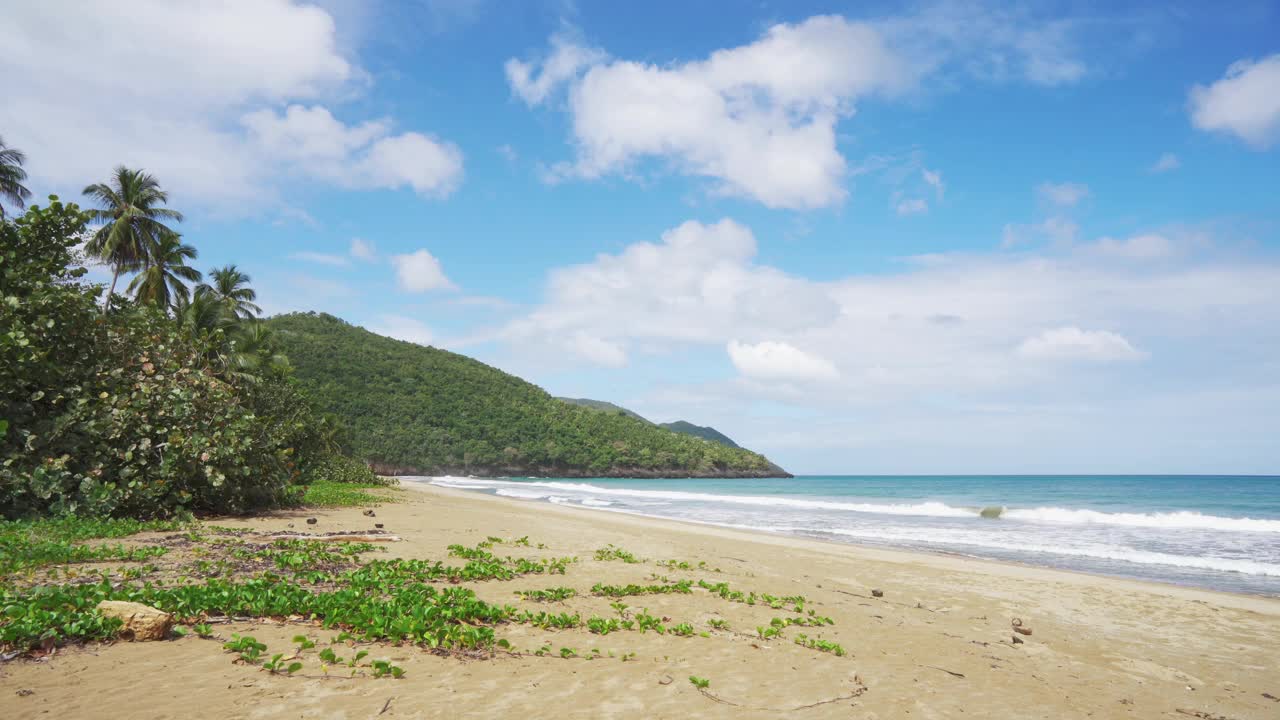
369 513
141 622
877 593
312 521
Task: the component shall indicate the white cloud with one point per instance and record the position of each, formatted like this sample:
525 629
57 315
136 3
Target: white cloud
566 59
402 328
362 249
322 258
759 120
1063 194
1245 102
318 145
1138 247
694 286
420 271
945 327
934 180
597 350
913 206
1072 343
779 361
1167 162
207 66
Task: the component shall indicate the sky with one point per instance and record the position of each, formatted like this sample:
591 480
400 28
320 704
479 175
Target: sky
935 237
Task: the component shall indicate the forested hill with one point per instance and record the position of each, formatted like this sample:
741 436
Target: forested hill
680 426
411 409
702 431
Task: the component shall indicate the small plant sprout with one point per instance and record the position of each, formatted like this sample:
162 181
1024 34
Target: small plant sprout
610 552
567 653
700 683
327 655
248 647
718 624
276 665
820 644
384 668
204 630
303 642
179 631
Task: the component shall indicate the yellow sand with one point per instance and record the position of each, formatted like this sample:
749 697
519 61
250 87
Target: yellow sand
937 645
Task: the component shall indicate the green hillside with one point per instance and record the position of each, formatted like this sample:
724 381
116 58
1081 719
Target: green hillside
414 409
704 432
602 406
679 426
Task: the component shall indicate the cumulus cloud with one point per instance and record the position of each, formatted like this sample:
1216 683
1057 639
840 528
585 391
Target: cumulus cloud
759 120
1168 162
534 82
779 361
420 271
318 145
1072 343
402 328
694 285
362 249
202 116
1245 102
1063 194
977 325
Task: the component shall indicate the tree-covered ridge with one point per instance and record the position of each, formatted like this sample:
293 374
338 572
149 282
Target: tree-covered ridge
702 431
680 426
418 409
603 406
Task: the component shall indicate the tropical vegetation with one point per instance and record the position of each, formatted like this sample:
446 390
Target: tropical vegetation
152 406
418 409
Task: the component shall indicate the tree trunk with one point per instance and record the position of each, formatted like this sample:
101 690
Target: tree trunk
106 302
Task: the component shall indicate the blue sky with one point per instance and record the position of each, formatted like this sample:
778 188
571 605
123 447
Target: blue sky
859 237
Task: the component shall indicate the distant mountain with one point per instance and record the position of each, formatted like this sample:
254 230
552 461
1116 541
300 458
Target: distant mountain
601 405
410 409
706 433
681 426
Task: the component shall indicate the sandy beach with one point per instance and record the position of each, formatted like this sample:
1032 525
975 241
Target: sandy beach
938 643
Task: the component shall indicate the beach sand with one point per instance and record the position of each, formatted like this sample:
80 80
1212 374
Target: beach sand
938 644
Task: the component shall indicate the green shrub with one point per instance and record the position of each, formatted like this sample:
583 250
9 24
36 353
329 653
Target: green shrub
130 413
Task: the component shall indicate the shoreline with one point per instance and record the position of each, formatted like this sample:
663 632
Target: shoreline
921 635
903 555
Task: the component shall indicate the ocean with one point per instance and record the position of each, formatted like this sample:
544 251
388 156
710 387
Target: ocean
1216 532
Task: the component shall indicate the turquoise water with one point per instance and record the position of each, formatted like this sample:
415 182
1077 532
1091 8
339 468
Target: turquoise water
1218 532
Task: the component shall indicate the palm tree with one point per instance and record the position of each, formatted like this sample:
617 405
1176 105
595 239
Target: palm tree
231 288
161 282
251 351
131 217
11 177
201 315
